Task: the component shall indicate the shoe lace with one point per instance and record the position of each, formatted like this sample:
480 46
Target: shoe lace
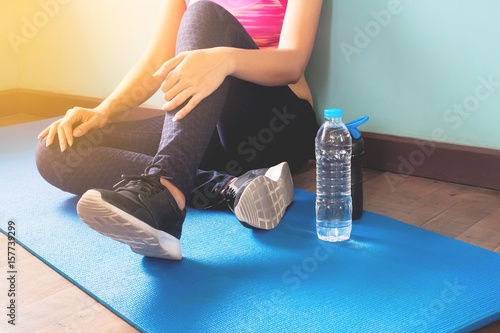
229 193
229 196
148 184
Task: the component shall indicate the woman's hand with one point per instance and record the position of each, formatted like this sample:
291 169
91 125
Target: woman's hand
84 119
191 76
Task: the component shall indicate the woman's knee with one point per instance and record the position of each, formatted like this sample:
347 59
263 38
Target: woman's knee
52 164
206 11
43 157
206 24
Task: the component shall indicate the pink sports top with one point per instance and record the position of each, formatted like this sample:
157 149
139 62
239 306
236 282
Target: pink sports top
262 19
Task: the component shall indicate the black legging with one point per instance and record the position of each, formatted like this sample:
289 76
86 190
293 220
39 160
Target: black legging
239 127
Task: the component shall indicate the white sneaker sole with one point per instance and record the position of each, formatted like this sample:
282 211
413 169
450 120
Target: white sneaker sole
111 221
265 200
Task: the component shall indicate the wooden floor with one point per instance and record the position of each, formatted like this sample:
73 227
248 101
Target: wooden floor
49 303
466 213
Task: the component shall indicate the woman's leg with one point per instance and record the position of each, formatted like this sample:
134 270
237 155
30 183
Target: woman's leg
253 126
184 143
98 159
142 213
263 126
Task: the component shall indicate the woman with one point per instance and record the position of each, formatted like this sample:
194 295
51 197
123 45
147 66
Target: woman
237 103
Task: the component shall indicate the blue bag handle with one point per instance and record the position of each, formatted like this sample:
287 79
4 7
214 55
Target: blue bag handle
353 126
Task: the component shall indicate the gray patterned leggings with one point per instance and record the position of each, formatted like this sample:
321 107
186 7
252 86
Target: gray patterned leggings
239 127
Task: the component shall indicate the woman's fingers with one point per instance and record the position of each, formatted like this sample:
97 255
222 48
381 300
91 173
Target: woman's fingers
168 67
162 72
52 133
83 128
86 119
61 135
68 133
170 87
178 98
187 108
65 130
189 78
44 133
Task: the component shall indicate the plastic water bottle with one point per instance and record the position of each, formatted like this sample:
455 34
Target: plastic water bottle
333 179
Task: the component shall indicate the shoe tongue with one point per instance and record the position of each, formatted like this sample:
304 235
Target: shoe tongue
258 172
133 188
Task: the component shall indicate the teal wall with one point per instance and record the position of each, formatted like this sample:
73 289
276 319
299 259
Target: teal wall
422 69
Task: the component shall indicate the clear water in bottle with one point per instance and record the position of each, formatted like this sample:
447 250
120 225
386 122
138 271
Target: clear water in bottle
333 179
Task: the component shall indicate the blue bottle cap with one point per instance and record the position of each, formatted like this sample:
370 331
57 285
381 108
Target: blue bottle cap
333 113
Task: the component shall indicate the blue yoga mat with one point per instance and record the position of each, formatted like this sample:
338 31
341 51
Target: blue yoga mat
390 277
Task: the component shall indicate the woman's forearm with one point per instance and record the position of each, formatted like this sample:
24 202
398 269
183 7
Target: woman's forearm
134 89
271 67
286 64
139 84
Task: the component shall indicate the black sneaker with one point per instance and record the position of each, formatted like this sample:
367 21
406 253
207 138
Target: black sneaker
260 197
142 214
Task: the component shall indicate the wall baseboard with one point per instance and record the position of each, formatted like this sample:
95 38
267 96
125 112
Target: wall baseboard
47 104
40 103
405 156
441 161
